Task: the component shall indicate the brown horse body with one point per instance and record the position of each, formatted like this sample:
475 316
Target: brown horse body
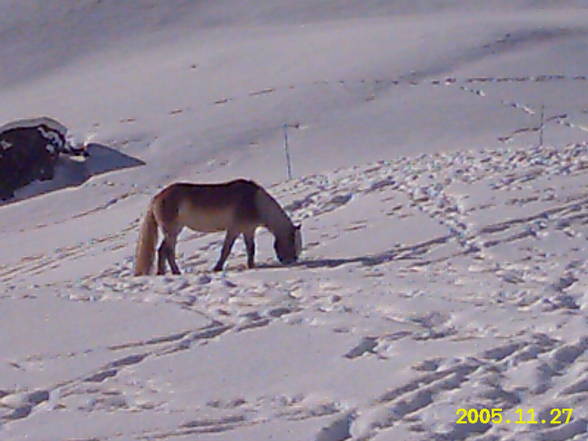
237 207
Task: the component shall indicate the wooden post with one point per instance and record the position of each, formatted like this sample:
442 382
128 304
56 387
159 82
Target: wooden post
287 150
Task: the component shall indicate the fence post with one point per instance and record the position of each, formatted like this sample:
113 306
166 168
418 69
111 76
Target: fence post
542 125
287 150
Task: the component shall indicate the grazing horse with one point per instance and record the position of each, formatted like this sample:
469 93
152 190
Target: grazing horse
237 207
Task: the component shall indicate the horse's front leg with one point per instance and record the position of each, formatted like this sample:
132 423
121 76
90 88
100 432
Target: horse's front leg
250 246
227 245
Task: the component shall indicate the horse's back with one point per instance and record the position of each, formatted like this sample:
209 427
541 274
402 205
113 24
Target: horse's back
210 207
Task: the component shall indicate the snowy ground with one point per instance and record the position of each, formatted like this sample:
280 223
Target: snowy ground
445 250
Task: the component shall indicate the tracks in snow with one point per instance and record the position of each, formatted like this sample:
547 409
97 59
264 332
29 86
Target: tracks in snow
497 214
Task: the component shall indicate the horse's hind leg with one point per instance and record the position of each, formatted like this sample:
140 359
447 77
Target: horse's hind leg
171 258
170 249
166 252
227 245
162 257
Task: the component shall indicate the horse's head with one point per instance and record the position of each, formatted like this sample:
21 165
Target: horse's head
289 246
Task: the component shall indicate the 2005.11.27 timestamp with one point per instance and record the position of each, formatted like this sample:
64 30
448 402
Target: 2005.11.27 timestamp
497 416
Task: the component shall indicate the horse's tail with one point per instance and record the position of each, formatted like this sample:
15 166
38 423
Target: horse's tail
145 251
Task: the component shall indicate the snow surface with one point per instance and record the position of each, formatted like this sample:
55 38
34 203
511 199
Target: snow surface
445 247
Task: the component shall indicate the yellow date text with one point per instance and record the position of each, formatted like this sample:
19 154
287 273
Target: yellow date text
554 416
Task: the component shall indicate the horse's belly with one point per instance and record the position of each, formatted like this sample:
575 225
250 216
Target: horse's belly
206 220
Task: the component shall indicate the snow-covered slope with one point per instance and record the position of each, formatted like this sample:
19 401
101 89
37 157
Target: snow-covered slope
444 263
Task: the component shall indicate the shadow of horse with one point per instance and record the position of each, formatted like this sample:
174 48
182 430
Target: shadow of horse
395 254
72 172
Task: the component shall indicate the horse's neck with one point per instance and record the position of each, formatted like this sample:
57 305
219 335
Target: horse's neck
272 215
